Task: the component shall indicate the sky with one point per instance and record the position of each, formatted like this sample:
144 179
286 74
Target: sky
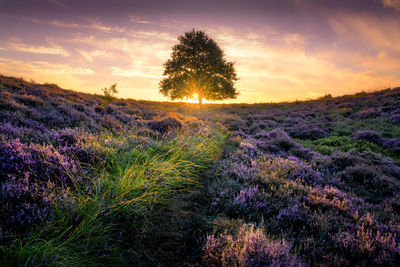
283 50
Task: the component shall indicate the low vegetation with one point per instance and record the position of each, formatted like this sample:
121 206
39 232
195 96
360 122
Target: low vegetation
90 181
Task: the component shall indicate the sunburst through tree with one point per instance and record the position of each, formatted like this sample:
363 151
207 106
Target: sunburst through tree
198 69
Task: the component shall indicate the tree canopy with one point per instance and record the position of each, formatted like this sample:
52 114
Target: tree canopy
198 67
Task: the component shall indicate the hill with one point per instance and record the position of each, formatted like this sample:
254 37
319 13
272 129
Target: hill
156 183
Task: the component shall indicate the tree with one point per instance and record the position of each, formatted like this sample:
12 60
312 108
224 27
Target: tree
197 67
109 94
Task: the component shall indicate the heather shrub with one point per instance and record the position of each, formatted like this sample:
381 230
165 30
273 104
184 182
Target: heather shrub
30 100
330 198
392 144
250 198
165 125
43 163
369 182
262 125
24 134
293 121
291 168
249 247
109 123
232 122
25 201
278 143
395 116
369 136
53 119
274 141
307 131
368 113
32 178
294 216
369 246
186 120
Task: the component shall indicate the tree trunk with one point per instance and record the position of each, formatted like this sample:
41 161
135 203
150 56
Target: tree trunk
200 100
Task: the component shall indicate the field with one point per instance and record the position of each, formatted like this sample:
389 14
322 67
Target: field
85 181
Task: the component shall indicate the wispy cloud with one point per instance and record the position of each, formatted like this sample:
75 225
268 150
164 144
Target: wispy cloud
138 20
9 16
395 4
92 24
137 70
369 31
49 50
44 67
58 3
93 54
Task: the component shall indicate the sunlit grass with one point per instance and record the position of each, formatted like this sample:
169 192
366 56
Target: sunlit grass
118 205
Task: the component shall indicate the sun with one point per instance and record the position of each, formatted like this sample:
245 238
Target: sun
194 99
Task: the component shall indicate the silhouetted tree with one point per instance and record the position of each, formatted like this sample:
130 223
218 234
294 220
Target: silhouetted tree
109 94
197 66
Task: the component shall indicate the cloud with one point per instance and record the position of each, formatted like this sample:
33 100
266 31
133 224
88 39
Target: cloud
52 50
58 3
65 75
92 54
150 49
138 70
44 67
4 15
138 20
93 24
272 65
395 4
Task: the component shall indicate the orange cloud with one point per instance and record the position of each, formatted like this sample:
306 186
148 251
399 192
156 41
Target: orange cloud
49 50
395 4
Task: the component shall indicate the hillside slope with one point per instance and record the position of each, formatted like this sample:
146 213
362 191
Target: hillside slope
164 184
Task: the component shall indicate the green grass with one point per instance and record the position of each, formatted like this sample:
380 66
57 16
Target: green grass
106 220
328 145
383 126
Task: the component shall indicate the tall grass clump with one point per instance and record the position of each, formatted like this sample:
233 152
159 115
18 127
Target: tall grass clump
107 218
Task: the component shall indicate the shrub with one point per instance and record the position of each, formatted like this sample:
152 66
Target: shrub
395 116
275 141
251 198
278 143
24 201
308 131
329 197
165 125
295 217
369 136
369 182
368 113
260 126
232 122
291 168
249 247
392 144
